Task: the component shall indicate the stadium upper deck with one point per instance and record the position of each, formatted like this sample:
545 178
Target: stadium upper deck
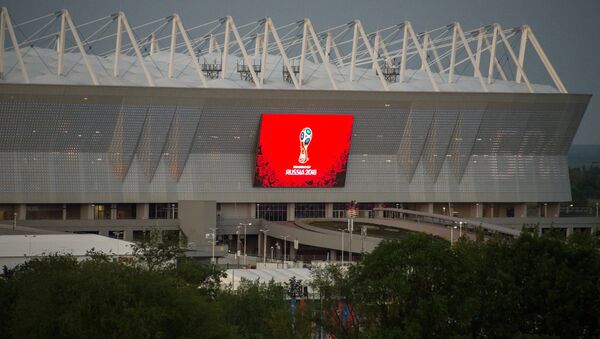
53 49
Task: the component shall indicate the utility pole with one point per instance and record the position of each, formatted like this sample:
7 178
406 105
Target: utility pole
284 247
264 245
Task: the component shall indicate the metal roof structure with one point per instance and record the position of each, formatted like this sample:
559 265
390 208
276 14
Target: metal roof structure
220 54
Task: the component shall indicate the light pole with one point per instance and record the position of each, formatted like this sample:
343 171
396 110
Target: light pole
271 253
460 229
452 234
342 230
245 236
15 218
444 210
545 210
284 247
214 240
265 245
596 209
237 245
477 210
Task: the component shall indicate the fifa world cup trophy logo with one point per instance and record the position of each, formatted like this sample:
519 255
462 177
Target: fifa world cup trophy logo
305 138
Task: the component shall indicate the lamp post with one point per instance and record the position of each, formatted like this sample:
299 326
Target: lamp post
237 245
245 236
596 209
460 229
271 253
342 230
477 210
545 210
265 245
284 247
213 241
444 210
452 234
15 219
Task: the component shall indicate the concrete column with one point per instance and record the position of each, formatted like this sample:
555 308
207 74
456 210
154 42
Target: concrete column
86 212
430 207
252 210
477 210
196 218
21 211
128 235
291 211
113 211
142 211
329 210
553 210
292 254
569 231
521 210
332 255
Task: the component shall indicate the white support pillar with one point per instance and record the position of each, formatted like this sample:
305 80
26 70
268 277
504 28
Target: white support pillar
514 58
172 47
478 53
190 50
336 50
313 53
303 52
136 49
211 44
2 37
61 45
6 23
320 50
286 61
467 48
118 47
353 55
265 52
376 48
436 56
385 51
79 44
492 55
243 50
404 51
384 83
257 45
453 53
154 48
522 47
225 49
538 48
422 55
496 62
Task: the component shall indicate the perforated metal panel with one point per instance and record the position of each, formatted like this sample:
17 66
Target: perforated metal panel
131 144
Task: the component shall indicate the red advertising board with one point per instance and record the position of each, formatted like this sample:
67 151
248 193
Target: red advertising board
303 150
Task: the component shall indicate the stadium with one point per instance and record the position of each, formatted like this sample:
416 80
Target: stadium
116 129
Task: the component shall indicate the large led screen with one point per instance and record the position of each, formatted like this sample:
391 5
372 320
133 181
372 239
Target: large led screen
303 150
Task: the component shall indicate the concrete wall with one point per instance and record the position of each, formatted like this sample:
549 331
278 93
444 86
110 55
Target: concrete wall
196 218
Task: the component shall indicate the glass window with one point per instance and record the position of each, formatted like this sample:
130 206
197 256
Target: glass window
126 211
163 211
44 211
101 211
310 210
73 211
272 211
7 211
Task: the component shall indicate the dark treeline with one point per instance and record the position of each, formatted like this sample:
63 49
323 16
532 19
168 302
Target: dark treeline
418 287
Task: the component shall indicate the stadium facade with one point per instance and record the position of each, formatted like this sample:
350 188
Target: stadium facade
122 138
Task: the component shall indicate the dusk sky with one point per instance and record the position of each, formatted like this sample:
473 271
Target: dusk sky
567 30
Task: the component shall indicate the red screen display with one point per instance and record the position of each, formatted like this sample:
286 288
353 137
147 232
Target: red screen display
303 150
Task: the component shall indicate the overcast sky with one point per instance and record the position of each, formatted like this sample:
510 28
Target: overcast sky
567 30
